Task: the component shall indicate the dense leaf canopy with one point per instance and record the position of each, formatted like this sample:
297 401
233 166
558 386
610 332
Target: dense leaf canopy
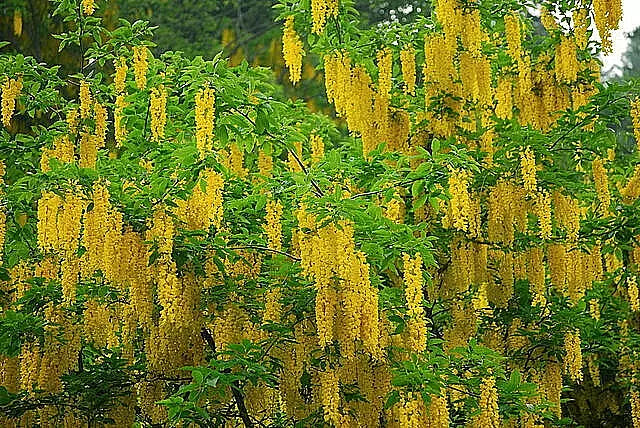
319 214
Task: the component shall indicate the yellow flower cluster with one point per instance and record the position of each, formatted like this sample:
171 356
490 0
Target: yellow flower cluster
573 355
366 110
100 117
581 23
272 226
88 6
459 214
504 98
551 384
10 91
344 294
119 80
567 214
594 370
384 60
158 112
635 118
536 273
3 216
607 14
205 109
203 208
59 222
528 170
88 151
634 398
475 73
330 398
118 125
602 185
72 121
507 211
98 324
632 291
543 212
292 50
317 147
566 61
631 191
411 412
417 327
140 66
594 309
408 65
85 99
319 14
488 403
62 151
548 20
513 31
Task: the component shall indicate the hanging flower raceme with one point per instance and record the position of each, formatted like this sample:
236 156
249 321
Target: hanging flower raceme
542 210
100 117
158 112
459 214
120 129
317 148
601 181
385 65
513 33
140 66
120 77
528 170
292 50
635 119
634 398
85 99
607 14
417 328
88 7
3 215
504 98
408 65
265 164
488 403
273 226
573 355
205 110
72 121
62 151
581 23
319 12
10 91
566 61
204 207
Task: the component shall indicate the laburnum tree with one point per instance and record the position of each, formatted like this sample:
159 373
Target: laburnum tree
457 244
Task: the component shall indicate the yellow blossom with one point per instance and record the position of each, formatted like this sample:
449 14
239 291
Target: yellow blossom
292 50
140 66
408 65
158 112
